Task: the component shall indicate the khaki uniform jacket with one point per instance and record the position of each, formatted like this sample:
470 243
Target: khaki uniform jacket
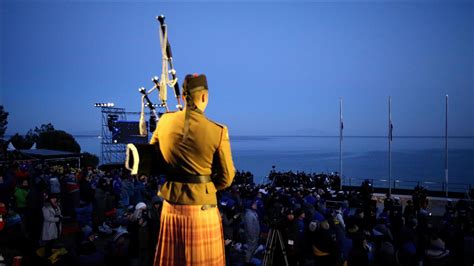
205 151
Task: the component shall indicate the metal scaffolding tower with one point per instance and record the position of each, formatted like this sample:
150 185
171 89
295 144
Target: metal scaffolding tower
111 152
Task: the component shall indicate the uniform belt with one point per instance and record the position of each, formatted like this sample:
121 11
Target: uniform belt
203 207
194 179
208 206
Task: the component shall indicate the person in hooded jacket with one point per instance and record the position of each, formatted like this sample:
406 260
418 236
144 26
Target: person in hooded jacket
251 229
51 220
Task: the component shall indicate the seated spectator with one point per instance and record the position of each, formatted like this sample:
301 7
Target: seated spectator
324 245
468 243
101 198
358 255
381 228
139 232
229 217
84 214
385 252
88 253
436 251
155 213
117 249
406 255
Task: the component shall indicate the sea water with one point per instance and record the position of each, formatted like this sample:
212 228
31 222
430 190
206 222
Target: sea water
414 159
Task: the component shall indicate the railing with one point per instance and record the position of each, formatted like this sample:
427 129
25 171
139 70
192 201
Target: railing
410 184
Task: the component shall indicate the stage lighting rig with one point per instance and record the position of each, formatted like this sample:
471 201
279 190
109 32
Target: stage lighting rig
104 104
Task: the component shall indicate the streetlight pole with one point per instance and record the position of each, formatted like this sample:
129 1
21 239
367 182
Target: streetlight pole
341 129
390 137
446 170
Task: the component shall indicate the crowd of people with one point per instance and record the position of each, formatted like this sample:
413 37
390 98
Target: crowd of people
59 215
318 224
67 216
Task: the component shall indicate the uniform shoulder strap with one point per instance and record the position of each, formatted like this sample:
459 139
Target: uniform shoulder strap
215 123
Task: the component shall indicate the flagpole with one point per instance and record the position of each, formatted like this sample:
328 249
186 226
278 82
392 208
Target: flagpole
341 128
446 172
390 127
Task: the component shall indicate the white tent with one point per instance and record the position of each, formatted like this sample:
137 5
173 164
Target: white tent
10 147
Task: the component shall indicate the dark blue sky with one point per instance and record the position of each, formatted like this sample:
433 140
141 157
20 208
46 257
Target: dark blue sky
273 68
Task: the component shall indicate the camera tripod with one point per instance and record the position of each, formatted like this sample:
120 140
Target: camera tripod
274 237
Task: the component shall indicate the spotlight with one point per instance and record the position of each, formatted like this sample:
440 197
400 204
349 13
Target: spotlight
104 104
111 119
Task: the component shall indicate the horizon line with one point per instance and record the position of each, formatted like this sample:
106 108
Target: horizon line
305 135
321 136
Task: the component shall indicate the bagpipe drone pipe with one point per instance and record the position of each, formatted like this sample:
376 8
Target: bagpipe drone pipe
146 159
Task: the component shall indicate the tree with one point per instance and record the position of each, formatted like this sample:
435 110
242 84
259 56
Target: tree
47 137
57 140
88 159
34 133
3 122
20 142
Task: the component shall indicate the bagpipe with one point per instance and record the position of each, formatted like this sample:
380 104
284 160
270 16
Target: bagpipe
143 159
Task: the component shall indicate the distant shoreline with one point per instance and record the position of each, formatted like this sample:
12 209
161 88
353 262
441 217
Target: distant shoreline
307 136
326 136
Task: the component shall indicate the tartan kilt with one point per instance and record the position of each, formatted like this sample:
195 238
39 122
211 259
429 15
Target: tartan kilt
190 236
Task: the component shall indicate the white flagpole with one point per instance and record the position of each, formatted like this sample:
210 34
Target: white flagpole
341 128
446 172
390 145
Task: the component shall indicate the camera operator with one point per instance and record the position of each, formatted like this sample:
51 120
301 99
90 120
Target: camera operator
283 226
291 232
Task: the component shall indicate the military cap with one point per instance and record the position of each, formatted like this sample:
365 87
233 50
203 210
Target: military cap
194 83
